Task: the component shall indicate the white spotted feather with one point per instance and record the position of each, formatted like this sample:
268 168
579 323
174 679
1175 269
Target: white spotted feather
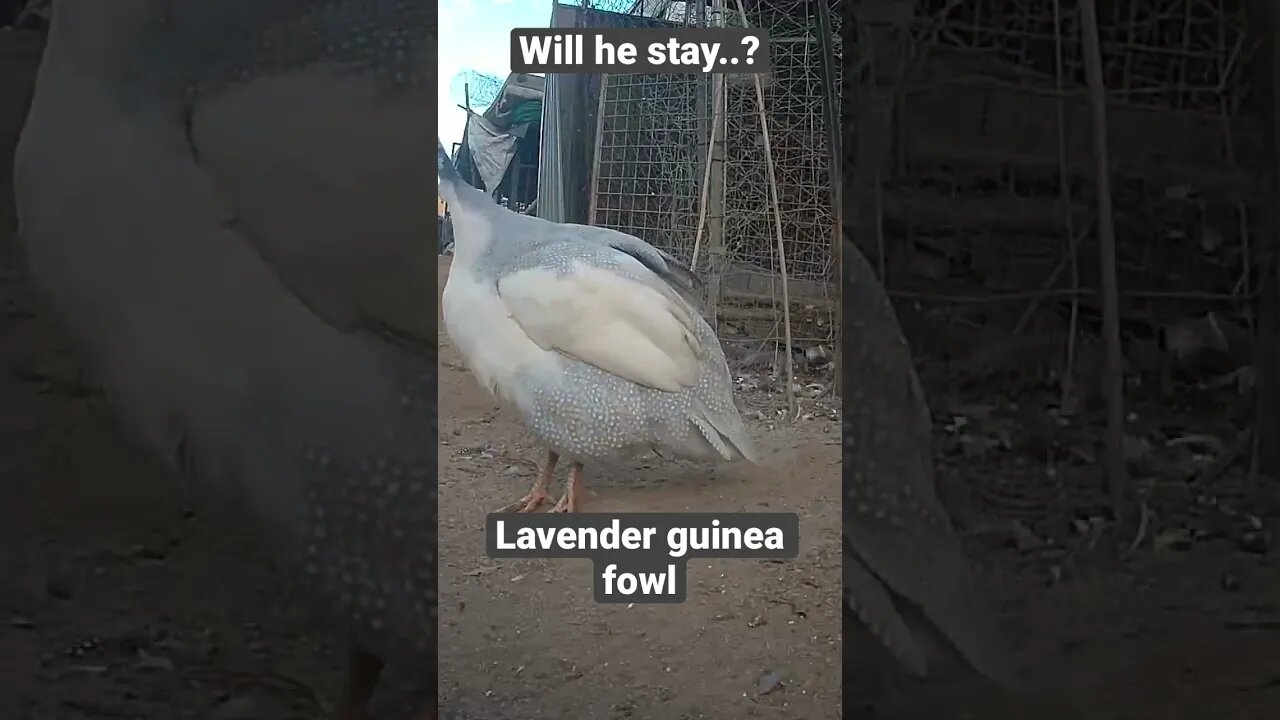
586 331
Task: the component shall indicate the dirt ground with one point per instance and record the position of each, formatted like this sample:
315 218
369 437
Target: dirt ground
1176 615
1191 635
121 597
523 639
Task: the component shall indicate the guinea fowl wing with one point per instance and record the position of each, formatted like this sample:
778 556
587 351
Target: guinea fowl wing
605 316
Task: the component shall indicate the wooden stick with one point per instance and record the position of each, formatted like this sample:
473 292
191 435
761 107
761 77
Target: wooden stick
717 100
1264 20
777 226
599 144
1072 244
1113 383
1064 180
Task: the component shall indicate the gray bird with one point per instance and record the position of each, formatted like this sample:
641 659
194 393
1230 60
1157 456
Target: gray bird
591 334
222 203
905 577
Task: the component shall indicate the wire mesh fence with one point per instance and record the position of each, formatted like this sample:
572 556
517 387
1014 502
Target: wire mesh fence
989 193
651 163
648 173
1179 55
794 97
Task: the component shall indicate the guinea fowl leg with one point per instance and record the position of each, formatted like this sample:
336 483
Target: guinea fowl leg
363 670
538 493
568 503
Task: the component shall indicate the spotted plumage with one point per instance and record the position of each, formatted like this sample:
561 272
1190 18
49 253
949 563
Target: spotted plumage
590 333
221 202
905 576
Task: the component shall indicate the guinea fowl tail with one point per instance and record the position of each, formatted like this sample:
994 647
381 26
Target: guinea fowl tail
725 433
867 598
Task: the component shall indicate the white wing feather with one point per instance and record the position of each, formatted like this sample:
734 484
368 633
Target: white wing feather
625 327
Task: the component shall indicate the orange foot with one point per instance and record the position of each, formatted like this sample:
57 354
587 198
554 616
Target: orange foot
568 503
528 503
565 505
538 493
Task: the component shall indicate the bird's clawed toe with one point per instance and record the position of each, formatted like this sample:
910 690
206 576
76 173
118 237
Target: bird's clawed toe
566 504
528 503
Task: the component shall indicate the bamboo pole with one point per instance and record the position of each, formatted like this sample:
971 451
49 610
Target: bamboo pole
717 104
1113 380
1073 240
1264 21
599 146
777 225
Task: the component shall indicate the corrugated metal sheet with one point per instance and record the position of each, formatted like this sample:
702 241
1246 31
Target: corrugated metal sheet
551 169
558 168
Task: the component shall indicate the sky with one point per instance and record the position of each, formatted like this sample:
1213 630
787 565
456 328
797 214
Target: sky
476 35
